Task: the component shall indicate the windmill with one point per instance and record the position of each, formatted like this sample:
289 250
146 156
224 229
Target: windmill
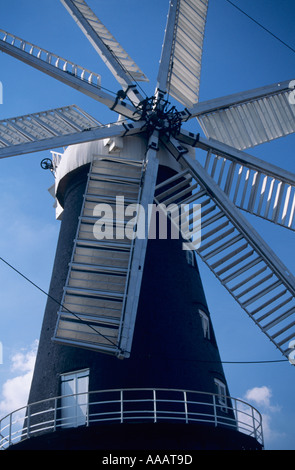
230 180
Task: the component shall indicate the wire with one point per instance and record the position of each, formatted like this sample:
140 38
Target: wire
204 361
27 279
261 26
228 362
52 298
254 362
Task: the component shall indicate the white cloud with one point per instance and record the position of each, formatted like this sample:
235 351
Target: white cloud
261 397
24 361
15 390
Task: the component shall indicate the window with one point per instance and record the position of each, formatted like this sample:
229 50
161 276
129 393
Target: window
205 324
221 395
74 401
190 258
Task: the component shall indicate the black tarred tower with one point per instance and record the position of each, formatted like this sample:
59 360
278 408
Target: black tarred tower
127 357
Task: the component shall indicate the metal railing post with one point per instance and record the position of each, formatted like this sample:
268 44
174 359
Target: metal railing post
10 427
215 410
121 403
87 408
155 405
28 420
236 414
55 413
185 406
254 426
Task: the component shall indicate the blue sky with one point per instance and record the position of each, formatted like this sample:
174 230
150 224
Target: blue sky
238 55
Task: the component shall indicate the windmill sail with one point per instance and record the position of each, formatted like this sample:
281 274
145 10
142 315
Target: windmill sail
239 257
100 298
252 184
98 310
64 70
54 128
125 70
244 120
180 67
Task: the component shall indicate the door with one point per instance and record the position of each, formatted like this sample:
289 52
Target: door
74 401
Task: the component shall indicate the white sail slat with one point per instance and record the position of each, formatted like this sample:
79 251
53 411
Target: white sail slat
252 184
54 128
125 70
180 66
236 254
248 119
64 70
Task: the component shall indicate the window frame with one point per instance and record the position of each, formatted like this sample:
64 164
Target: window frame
205 323
221 395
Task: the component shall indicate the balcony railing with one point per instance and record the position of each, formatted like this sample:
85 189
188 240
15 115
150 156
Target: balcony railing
129 405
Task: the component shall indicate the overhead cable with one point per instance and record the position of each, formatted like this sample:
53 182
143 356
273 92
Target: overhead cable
261 26
52 298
